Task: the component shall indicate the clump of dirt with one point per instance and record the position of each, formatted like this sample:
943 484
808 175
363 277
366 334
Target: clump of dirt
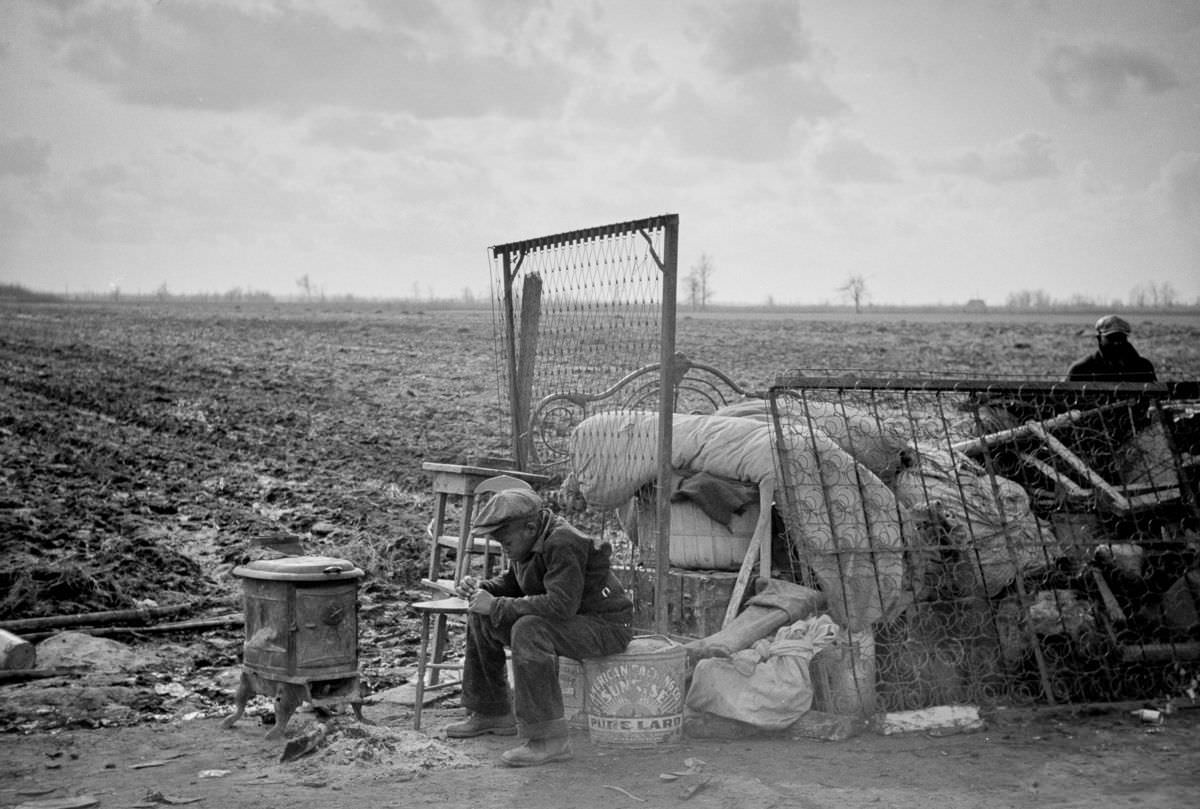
114 573
411 749
353 749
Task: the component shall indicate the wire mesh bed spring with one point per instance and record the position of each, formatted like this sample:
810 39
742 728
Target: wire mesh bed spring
998 542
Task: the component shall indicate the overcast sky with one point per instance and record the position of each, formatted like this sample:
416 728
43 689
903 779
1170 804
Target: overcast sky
942 149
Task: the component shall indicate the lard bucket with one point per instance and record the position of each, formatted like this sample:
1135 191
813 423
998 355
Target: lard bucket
635 698
572 682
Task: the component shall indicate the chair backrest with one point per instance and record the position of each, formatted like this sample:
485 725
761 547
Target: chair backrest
500 483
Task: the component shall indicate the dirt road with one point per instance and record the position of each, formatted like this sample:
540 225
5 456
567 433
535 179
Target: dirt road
1021 759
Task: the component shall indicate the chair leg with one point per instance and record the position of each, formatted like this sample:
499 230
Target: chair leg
441 639
439 527
422 662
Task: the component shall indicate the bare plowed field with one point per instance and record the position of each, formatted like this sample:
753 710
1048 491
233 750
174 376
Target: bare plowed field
145 449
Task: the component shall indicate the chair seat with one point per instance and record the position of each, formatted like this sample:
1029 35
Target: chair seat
454 604
477 545
443 586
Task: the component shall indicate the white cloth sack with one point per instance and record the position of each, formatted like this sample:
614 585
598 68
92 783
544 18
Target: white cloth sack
769 684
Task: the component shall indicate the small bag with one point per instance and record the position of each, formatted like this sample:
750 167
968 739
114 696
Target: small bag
769 684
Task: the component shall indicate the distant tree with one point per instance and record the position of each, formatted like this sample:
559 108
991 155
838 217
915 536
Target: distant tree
1153 295
699 282
1018 300
1028 299
20 293
692 289
306 286
162 294
855 289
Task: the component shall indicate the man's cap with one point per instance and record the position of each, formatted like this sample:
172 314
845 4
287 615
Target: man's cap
1111 324
505 506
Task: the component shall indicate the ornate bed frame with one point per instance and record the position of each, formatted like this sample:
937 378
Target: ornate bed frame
699 388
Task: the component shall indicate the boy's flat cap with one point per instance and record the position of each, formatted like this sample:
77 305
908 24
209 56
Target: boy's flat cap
1111 324
505 506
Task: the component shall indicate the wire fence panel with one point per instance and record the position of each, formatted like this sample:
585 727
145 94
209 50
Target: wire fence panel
575 313
585 327
997 543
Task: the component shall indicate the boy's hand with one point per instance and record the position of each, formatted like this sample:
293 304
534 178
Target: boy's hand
481 602
467 587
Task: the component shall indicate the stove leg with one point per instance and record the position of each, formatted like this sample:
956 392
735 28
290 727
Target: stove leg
288 698
245 691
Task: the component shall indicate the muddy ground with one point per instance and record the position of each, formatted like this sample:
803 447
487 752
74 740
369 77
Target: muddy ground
1018 761
147 449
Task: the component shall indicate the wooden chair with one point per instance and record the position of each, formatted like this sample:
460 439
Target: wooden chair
435 614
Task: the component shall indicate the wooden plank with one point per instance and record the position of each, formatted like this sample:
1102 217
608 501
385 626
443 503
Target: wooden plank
139 614
974 446
15 651
1082 468
527 348
759 549
481 472
1072 488
1109 600
743 579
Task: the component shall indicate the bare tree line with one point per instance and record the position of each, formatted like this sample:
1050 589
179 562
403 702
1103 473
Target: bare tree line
1151 295
1148 295
696 291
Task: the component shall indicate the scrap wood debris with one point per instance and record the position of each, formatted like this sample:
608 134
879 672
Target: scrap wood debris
155 797
72 802
625 792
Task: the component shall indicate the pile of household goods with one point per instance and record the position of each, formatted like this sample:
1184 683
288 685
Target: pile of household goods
855 497
870 517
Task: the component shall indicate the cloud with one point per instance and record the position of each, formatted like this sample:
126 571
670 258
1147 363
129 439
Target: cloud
223 58
23 156
1180 182
760 35
367 132
746 121
758 83
1098 76
423 13
843 159
1027 157
582 39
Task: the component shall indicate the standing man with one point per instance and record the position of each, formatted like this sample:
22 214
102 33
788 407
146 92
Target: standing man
1115 358
559 596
